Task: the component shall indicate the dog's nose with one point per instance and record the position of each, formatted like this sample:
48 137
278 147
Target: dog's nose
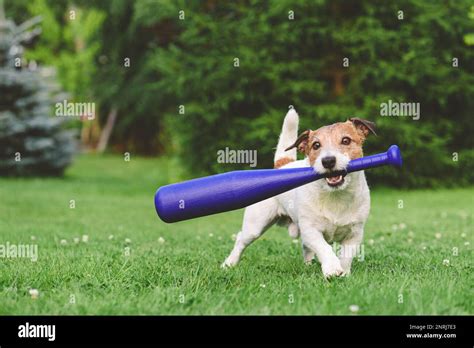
329 162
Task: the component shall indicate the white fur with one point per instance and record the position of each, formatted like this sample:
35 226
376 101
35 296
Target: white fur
319 213
289 133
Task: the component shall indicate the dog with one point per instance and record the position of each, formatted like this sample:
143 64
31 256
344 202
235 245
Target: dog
325 211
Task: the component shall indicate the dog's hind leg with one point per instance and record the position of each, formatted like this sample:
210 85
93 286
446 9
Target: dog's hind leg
293 230
308 255
257 219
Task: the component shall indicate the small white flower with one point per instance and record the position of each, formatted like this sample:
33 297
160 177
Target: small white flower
423 247
111 237
63 242
463 235
128 240
211 234
410 240
382 238
161 240
85 238
77 240
263 286
446 262
34 293
402 226
371 242
466 243
354 308
438 235
394 227
295 241
33 237
233 237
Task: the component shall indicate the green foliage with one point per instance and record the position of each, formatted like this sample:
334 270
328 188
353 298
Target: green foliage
133 90
31 141
469 37
299 62
68 44
189 61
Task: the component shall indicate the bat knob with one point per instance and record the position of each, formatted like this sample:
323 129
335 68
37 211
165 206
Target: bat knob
394 156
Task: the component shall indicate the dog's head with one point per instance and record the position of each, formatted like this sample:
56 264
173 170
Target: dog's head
330 148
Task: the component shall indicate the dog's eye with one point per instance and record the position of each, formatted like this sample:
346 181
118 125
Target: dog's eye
316 145
346 141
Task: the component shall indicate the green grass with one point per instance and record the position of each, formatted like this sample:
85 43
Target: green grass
114 197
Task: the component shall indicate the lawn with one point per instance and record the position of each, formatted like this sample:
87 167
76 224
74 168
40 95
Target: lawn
132 263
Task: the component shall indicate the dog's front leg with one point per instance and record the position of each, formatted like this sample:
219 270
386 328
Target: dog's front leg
314 239
257 219
350 246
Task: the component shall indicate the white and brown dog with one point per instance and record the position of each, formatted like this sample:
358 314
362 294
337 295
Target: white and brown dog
330 210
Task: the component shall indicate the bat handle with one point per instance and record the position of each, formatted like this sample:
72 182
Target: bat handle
391 157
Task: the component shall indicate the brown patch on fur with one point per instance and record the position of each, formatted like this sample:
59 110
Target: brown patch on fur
363 126
301 142
282 161
332 135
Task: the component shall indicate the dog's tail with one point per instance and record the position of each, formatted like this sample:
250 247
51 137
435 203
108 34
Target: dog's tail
288 136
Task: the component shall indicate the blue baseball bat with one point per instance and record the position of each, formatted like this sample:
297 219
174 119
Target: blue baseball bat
238 189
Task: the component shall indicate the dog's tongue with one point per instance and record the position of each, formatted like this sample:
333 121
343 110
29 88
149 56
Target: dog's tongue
334 179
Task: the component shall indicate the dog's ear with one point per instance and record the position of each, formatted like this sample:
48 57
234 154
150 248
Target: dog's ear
302 142
363 126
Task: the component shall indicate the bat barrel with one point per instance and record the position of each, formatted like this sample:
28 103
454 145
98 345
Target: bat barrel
234 190
224 192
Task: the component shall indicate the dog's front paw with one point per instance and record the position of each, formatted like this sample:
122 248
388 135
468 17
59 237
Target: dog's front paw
346 270
346 266
346 273
229 262
332 269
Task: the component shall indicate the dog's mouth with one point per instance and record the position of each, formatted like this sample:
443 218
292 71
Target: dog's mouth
335 180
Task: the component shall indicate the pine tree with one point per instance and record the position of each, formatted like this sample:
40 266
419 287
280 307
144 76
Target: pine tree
32 141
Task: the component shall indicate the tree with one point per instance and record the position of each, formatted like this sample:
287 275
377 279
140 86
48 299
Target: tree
237 66
31 141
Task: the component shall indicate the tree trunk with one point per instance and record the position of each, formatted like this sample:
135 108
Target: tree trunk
107 131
